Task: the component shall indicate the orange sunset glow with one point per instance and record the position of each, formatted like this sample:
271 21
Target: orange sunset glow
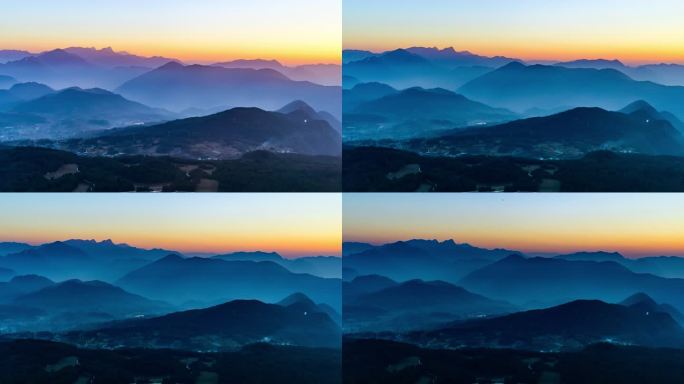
291 224
635 225
634 32
205 31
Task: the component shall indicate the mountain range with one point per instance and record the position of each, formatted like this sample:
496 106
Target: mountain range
661 73
574 133
419 67
526 88
227 326
422 259
517 278
322 266
82 259
418 112
371 303
569 326
62 68
215 280
225 135
177 87
324 74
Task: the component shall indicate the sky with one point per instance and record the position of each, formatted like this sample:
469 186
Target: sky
291 224
293 31
635 225
630 30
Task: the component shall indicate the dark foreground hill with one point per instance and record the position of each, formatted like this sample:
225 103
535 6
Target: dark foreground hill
373 169
31 361
223 327
567 135
386 362
225 135
30 169
570 326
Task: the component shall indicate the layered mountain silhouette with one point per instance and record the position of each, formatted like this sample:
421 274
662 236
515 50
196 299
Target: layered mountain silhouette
178 87
90 296
85 109
363 92
324 74
300 107
83 259
415 304
646 304
419 66
522 88
362 285
179 280
516 279
452 58
7 81
223 327
23 92
20 285
12 55
225 135
349 55
8 247
569 326
299 301
662 73
664 266
645 111
78 66
571 134
322 266
423 259
107 57
418 112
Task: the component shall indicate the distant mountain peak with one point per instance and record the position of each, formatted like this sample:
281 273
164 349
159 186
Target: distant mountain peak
637 106
171 258
513 66
296 298
171 65
297 105
638 298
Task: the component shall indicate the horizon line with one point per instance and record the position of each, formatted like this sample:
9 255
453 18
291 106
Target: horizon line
530 252
229 57
536 60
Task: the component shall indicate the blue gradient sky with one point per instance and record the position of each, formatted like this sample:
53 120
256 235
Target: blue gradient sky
291 224
295 31
634 224
633 31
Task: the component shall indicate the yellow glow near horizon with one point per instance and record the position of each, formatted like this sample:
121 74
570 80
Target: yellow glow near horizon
634 32
291 224
292 31
635 225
